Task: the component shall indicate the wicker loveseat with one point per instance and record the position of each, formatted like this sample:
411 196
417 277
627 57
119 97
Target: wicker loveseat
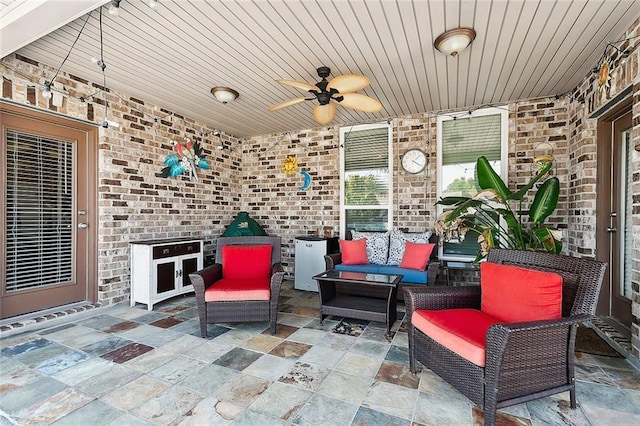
519 361
409 276
244 283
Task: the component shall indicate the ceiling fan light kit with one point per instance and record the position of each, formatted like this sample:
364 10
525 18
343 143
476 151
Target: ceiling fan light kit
454 41
338 91
224 94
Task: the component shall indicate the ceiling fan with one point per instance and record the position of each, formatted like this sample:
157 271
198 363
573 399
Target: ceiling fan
340 90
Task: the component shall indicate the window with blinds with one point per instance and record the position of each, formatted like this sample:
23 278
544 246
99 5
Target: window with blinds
366 199
461 140
39 211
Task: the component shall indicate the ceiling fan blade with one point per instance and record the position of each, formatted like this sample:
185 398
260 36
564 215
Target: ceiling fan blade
323 114
302 85
286 104
360 102
348 83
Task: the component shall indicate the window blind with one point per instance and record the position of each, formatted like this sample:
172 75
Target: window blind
39 211
366 180
367 167
366 149
464 139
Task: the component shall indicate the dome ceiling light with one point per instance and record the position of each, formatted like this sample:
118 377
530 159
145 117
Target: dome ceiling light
224 94
454 41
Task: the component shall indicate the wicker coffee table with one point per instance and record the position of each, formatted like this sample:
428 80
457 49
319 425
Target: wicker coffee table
358 295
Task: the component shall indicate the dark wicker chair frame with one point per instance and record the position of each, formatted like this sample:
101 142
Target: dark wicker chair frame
238 311
524 361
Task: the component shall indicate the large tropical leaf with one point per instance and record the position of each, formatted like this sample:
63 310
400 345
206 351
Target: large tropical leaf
452 201
545 201
522 191
461 209
545 237
489 179
518 235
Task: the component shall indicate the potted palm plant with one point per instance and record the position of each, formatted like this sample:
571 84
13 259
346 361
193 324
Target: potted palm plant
497 213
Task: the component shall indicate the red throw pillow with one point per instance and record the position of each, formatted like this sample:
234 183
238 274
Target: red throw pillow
354 252
416 256
246 261
512 294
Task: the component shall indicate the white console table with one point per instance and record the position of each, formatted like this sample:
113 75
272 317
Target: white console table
160 268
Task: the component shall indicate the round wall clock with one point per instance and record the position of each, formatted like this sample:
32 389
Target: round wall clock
414 161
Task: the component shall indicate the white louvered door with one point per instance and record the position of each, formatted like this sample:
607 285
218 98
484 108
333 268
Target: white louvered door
45 225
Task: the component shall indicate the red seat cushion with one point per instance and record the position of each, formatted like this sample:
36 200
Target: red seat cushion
227 289
512 294
240 262
354 252
463 331
416 256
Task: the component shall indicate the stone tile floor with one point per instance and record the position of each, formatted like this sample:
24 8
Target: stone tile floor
127 366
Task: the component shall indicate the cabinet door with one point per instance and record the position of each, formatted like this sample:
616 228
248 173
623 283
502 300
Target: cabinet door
189 265
166 277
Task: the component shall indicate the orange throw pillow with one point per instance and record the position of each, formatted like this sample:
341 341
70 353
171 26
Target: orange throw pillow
244 262
513 294
416 256
354 252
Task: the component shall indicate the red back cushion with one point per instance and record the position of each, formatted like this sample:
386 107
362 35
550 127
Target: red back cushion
354 252
512 294
246 261
416 256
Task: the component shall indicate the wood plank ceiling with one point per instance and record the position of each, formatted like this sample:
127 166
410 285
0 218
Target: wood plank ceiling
174 55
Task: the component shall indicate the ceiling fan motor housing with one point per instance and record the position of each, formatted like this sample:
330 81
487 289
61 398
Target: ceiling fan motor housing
324 72
324 97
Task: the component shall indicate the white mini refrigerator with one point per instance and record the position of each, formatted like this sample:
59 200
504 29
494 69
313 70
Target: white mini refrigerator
309 259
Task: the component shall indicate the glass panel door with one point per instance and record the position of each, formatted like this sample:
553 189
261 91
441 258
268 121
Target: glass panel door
47 227
626 219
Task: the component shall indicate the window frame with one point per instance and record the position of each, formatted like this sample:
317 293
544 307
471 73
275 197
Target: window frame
390 207
504 156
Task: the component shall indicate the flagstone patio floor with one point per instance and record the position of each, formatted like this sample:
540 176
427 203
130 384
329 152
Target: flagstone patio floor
126 365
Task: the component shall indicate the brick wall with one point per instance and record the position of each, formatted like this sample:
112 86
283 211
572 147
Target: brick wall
246 175
584 100
134 202
274 199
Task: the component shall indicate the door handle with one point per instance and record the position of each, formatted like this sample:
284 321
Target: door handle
612 229
83 225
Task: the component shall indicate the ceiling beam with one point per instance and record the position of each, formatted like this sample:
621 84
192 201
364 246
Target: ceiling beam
23 22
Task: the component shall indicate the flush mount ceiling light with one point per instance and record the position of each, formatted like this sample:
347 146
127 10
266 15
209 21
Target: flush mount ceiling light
454 41
224 94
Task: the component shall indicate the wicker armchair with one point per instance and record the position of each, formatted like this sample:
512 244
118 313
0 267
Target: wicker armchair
523 361
238 310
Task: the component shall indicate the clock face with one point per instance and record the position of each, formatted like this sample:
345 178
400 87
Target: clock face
414 161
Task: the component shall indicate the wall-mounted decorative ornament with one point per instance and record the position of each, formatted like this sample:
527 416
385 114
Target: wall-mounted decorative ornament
542 156
188 156
604 77
290 165
307 181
